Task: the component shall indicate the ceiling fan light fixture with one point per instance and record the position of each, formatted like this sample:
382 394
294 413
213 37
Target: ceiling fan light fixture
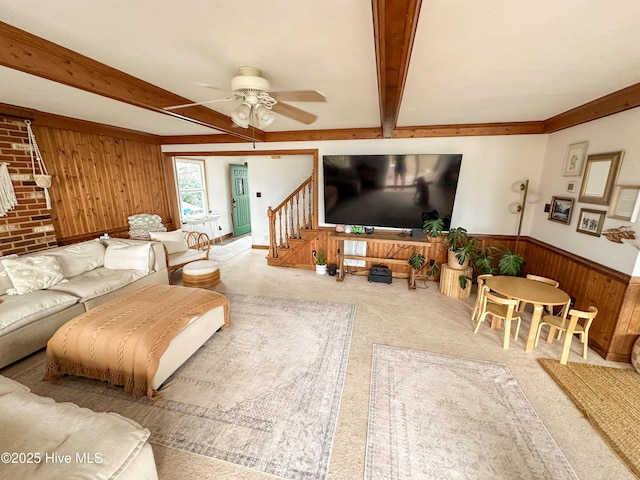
263 116
242 115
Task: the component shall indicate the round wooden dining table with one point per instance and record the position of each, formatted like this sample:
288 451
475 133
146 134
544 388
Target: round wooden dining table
529 291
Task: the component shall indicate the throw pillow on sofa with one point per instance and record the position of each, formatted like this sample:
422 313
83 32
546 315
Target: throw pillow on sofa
122 256
173 241
79 257
32 273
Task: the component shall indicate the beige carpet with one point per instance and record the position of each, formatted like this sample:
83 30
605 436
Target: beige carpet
441 417
222 253
264 394
609 398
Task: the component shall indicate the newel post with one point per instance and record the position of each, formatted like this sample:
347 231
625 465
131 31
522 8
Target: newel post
272 233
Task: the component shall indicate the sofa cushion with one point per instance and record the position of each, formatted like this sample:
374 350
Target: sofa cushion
98 282
39 424
7 385
32 273
5 281
19 310
78 258
173 241
188 256
122 256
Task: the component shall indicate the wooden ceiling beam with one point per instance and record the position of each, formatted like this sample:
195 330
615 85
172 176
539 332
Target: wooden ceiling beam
43 119
394 27
615 102
470 130
28 53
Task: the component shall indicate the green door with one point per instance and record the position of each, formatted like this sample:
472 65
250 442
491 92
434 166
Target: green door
240 212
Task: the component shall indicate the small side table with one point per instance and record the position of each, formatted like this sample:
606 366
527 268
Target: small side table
450 281
201 274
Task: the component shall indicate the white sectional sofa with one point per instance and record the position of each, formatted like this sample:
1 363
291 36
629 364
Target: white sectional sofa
43 290
44 440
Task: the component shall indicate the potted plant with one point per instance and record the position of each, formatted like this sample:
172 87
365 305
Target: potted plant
483 260
433 227
321 263
509 264
417 261
461 247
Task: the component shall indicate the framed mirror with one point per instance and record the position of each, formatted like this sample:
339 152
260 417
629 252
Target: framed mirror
600 176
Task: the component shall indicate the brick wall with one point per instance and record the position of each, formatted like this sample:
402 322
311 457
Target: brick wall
28 227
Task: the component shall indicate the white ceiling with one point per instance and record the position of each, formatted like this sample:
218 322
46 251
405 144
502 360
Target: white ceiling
473 61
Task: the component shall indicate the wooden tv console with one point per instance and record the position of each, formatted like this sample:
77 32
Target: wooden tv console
419 244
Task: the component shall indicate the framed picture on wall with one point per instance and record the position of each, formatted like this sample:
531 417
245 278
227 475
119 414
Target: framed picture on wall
625 202
574 163
590 221
600 176
572 187
560 210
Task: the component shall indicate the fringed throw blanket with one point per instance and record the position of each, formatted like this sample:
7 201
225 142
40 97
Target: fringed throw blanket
122 341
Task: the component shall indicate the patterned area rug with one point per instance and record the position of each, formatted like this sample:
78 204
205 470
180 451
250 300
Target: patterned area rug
264 394
221 253
609 398
435 417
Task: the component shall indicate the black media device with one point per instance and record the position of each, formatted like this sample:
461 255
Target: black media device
380 274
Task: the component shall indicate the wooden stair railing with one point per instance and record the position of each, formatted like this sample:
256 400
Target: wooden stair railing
298 212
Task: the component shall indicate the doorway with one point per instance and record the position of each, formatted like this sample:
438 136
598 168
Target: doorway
240 201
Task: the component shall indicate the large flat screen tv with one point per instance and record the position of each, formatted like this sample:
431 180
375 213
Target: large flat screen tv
398 191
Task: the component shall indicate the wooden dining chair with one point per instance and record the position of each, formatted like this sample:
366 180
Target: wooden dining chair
572 326
481 280
500 308
548 281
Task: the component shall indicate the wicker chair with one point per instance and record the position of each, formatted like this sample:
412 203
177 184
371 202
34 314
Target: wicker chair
199 245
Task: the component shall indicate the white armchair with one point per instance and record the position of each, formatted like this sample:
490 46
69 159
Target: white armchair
183 247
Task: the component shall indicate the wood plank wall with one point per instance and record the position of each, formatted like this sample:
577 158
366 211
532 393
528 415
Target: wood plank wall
616 295
98 181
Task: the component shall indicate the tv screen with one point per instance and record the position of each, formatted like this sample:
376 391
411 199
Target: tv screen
399 191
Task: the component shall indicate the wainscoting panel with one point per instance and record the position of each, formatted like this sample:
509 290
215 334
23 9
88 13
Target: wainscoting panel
614 294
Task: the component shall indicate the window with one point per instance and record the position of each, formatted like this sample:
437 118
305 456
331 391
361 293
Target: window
192 188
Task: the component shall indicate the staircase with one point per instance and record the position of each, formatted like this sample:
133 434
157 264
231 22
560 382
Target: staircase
293 225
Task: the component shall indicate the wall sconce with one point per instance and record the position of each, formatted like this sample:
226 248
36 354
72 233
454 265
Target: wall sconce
518 207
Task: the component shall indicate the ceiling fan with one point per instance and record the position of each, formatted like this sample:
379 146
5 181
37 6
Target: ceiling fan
258 103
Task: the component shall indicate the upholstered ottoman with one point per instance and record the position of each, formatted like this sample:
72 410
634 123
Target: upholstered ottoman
137 340
201 274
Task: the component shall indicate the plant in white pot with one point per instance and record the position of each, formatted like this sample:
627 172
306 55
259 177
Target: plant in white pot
321 263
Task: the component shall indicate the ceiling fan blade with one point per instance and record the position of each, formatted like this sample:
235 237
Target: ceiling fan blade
207 85
294 113
299 96
175 107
